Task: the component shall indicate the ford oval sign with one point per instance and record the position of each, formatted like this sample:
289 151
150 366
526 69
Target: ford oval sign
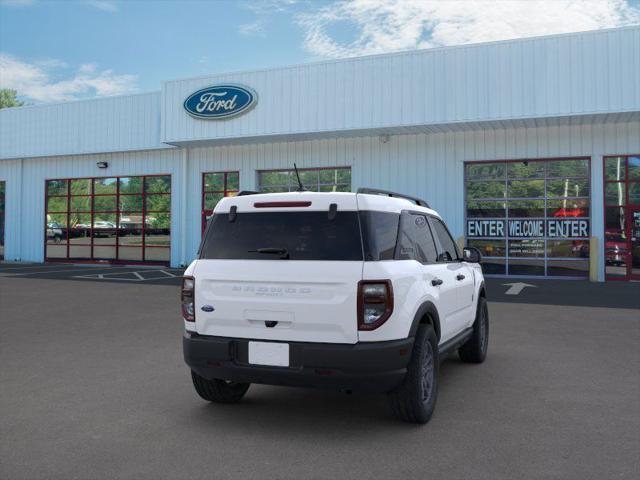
220 101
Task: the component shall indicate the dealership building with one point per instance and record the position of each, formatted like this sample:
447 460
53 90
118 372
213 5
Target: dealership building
529 149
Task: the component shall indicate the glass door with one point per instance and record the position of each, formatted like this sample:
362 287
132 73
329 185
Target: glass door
634 240
622 217
2 188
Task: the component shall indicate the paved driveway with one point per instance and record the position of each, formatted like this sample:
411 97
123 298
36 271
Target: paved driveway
93 386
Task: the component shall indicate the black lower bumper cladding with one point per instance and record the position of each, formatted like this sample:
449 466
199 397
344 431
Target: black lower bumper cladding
368 367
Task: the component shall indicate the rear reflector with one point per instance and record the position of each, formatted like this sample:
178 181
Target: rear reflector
281 204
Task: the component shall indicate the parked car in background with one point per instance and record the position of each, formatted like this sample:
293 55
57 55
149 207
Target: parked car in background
103 228
54 232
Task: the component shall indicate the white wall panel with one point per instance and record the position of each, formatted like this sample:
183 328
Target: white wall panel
423 164
25 200
111 124
430 166
11 174
546 77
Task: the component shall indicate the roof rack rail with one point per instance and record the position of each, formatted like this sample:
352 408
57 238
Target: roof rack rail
377 191
242 193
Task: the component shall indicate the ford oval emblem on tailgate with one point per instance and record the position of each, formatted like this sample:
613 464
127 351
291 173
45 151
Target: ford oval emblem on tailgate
207 308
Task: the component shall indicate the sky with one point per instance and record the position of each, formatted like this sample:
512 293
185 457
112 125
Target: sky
59 50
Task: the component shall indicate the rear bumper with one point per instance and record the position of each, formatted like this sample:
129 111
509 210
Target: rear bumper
370 367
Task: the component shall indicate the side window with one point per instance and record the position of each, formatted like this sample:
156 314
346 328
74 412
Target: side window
416 242
379 234
449 249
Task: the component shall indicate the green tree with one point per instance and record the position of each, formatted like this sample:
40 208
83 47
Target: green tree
8 98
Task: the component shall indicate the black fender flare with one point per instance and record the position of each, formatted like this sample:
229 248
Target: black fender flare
482 290
427 308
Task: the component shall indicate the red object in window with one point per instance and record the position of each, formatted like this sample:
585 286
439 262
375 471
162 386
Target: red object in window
620 243
570 212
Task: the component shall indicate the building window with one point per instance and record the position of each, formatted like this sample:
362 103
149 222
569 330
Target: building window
622 217
215 186
2 211
120 219
530 217
333 179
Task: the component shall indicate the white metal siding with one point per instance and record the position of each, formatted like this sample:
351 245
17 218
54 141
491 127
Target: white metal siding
90 126
25 200
11 174
429 165
547 77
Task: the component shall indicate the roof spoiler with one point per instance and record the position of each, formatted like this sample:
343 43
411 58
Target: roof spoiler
387 193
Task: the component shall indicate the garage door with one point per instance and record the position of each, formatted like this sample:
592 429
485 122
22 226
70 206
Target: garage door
114 219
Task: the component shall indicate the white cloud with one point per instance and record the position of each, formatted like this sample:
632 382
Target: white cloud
252 29
104 5
264 10
51 63
36 81
87 68
269 6
389 25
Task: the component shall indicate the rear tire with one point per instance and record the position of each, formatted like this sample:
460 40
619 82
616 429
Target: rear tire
475 349
415 399
219 391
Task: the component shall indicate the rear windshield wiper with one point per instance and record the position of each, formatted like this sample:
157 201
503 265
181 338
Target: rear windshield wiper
283 252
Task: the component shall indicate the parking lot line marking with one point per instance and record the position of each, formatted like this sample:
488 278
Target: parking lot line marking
121 276
25 267
42 272
516 288
104 277
157 278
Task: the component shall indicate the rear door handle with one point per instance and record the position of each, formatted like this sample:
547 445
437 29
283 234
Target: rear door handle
460 277
436 281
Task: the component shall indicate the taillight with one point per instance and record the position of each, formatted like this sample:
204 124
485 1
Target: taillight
187 299
375 303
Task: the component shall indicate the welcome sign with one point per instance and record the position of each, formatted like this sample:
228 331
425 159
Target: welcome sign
528 228
220 101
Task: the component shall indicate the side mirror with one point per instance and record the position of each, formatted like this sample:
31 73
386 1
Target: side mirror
471 255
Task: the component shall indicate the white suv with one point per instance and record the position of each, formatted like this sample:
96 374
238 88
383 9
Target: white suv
350 291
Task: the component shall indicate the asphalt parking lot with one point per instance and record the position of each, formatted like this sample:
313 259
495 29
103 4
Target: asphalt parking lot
93 273
93 385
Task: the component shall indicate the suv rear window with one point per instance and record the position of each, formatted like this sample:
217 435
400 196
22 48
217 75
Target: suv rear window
303 235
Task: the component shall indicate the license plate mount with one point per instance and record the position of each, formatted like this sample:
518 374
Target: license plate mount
269 353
